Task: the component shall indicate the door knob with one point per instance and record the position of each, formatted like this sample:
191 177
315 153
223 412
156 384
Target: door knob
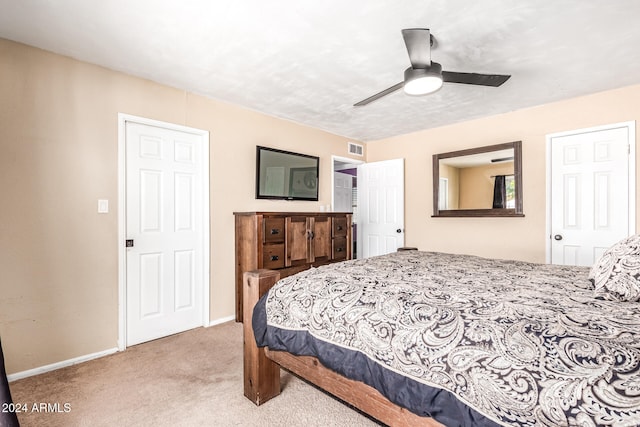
399 230
558 237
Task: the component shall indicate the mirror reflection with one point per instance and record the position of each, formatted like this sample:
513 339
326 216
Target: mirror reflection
477 181
483 181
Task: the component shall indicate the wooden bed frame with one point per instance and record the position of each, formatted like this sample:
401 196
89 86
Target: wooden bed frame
262 368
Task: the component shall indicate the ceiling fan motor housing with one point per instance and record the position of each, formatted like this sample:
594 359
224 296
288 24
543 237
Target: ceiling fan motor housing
420 81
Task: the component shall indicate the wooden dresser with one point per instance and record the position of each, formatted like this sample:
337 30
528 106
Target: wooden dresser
289 242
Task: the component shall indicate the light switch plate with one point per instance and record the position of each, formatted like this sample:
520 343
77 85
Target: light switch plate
103 206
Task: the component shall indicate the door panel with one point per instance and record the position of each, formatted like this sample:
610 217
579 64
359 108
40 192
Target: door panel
590 197
381 207
150 284
184 193
185 273
150 197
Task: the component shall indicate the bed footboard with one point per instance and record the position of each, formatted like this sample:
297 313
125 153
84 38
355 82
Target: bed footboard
262 374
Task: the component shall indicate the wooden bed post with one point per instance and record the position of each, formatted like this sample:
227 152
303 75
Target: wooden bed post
261 374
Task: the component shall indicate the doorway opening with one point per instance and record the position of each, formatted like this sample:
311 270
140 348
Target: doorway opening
344 192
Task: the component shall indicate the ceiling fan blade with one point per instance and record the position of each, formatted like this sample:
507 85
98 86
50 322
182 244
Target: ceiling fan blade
379 95
418 42
494 80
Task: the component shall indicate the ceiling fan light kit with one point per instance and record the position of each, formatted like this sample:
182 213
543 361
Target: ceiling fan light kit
422 81
425 77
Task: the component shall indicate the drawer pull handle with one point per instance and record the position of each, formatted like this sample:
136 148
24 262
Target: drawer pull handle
274 257
275 231
339 228
339 249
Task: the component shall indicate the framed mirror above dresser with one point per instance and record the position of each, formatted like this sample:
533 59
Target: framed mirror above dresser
479 182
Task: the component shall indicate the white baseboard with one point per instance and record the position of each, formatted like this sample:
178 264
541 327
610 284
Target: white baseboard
87 357
58 365
222 320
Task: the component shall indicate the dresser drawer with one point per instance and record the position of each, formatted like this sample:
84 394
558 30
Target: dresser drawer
273 230
339 248
273 256
339 227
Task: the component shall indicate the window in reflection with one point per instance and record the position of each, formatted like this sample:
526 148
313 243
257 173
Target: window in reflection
510 185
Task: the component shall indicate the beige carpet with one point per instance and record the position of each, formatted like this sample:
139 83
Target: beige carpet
189 379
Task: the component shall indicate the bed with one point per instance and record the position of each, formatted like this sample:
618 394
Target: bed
424 338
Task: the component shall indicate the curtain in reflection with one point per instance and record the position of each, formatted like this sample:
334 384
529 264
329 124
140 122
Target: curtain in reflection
499 193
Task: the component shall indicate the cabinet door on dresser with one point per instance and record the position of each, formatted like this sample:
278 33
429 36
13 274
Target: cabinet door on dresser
320 239
297 232
308 239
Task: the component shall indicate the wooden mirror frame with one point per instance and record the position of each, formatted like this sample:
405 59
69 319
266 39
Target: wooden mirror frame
517 173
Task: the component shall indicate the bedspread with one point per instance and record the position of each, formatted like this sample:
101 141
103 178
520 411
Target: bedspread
515 343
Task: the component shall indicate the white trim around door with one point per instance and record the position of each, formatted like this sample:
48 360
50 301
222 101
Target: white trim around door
122 266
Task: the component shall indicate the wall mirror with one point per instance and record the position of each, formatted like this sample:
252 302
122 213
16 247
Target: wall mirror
483 181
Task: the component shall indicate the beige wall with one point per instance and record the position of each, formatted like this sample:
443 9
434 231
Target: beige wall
476 185
513 238
58 137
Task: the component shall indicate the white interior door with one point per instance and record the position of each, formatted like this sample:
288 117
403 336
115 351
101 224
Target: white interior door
342 192
592 193
380 207
166 222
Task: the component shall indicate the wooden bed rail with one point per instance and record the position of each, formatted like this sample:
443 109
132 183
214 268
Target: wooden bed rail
262 373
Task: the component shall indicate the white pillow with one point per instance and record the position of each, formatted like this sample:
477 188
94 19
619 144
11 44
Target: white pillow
616 275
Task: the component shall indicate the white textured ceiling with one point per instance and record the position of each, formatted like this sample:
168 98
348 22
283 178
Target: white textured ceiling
309 61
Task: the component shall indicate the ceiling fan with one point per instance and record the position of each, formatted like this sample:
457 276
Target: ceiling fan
425 76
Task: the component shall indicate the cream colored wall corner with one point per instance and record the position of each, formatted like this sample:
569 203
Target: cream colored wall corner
58 142
511 238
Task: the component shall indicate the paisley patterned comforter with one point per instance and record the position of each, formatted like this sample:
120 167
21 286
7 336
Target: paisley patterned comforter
475 341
